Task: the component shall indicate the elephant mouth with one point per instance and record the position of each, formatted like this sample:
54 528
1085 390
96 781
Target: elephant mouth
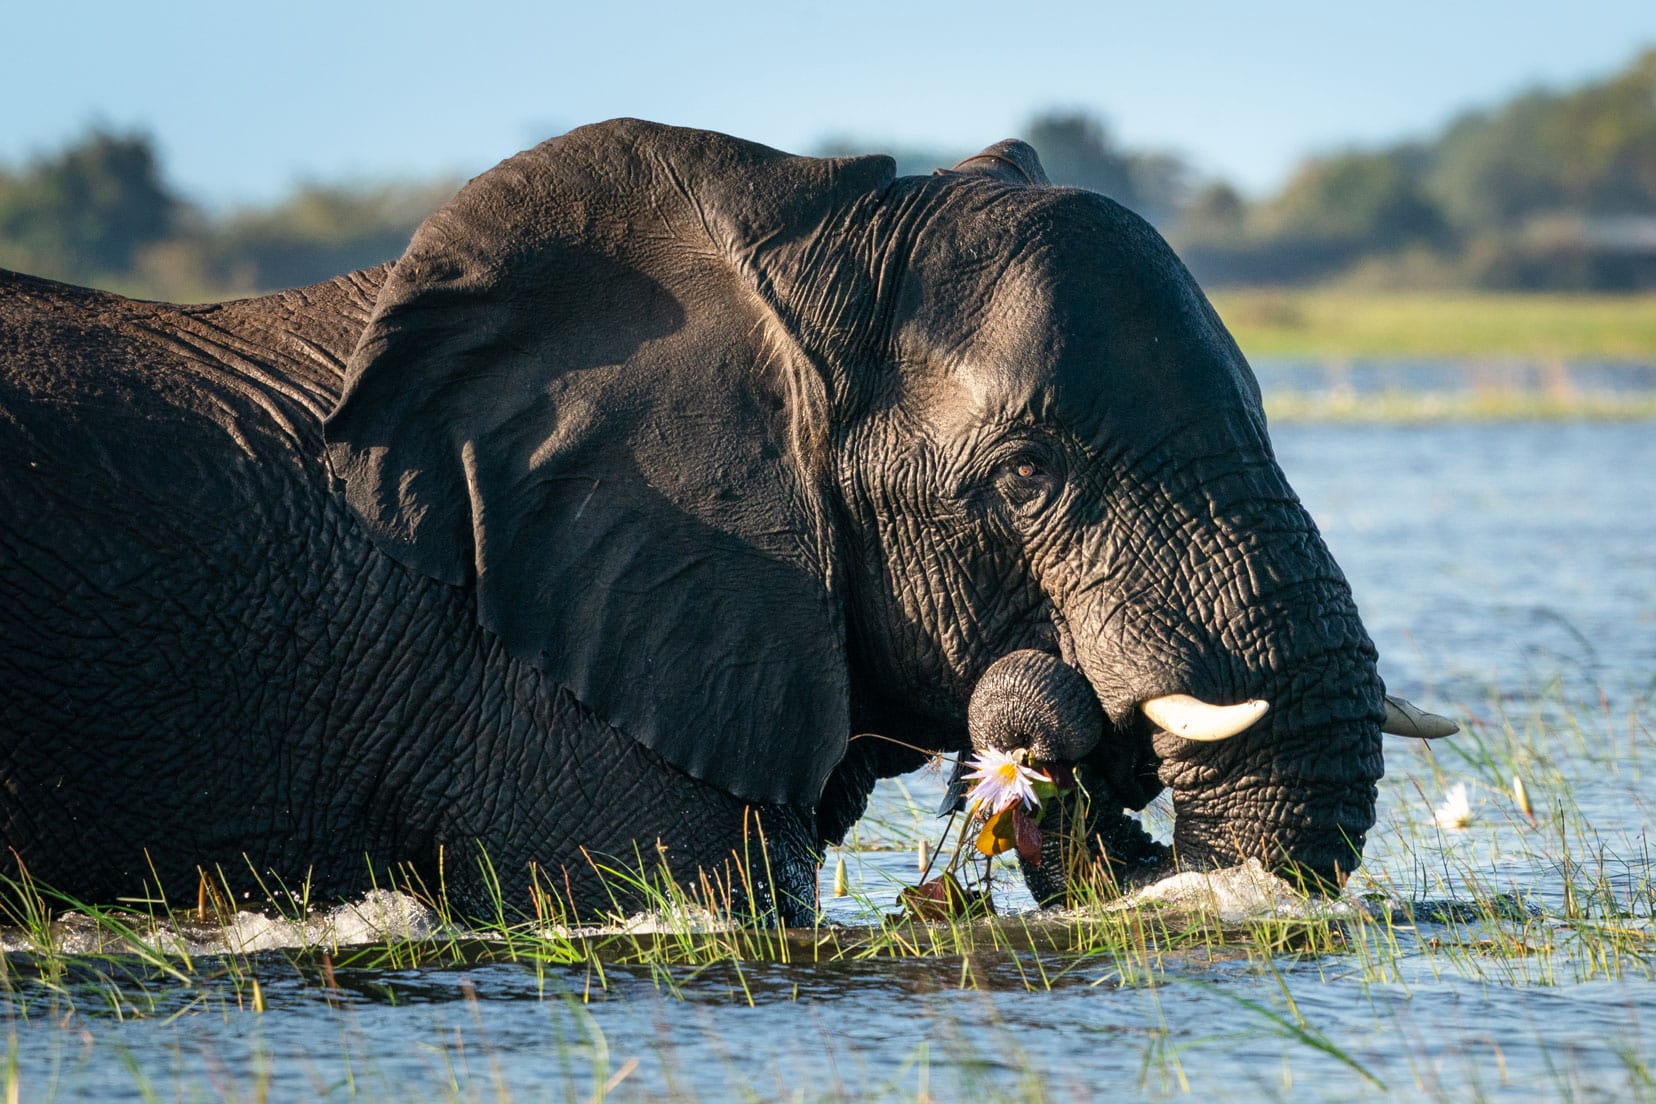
1237 793
1098 840
1247 782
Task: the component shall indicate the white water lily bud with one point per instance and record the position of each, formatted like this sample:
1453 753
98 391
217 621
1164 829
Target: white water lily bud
1521 796
841 888
1456 810
925 855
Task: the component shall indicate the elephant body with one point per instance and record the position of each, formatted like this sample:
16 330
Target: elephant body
190 693
594 529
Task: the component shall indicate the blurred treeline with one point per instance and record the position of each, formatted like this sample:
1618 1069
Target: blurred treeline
102 213
1554 190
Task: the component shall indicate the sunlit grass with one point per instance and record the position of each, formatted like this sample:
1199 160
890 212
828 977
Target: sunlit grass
1413 406
1412 358
1550 903
1320 322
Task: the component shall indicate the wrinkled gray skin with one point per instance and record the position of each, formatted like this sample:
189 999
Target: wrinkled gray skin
659 466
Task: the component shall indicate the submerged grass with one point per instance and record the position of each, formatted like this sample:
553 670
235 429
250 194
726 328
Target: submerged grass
1420 358
1486 405
1553 904
132 958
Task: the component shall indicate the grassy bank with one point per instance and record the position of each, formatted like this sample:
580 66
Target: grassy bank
1496 404
1334 323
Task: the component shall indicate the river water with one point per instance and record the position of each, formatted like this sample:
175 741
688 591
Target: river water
1507 572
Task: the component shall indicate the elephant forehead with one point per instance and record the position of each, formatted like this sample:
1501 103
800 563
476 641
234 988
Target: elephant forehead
1091 333
1012 359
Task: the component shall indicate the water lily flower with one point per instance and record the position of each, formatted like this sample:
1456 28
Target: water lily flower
1456 810
1000 781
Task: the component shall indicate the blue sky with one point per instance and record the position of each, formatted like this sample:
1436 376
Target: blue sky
246 99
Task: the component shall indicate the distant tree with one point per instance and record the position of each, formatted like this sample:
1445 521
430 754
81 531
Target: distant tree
1355 202
1076 150
1554 189
1211 236
100 213
1333 212
1215 212
87 211
1588 151
318 232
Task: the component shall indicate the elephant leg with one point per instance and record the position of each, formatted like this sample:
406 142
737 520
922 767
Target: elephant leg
604 827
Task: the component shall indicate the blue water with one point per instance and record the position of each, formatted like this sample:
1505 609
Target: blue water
1481 555
1508 575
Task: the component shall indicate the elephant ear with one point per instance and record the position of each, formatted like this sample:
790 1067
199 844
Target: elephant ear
1010 162
577 391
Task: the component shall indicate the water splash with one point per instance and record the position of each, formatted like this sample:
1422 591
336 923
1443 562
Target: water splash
1234 894
380 916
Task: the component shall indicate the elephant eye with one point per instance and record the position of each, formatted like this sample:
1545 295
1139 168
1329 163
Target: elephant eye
1026 481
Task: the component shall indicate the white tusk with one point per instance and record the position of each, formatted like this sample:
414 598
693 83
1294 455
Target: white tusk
1407 719
1195 719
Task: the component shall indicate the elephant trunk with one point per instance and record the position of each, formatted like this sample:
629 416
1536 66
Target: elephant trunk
1034 701
1295 790
1230 596
1298 791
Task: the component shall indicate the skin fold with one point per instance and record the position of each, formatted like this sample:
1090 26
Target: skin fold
591 531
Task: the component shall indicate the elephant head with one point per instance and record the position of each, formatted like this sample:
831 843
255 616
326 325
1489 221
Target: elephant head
748 450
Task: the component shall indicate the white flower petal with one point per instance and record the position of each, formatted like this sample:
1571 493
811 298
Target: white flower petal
1456 810
1000 782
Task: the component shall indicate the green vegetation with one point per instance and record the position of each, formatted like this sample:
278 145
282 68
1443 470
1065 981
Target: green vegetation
1280 322
138 951
87 213
1546 901
100 212
1554 190
1461 356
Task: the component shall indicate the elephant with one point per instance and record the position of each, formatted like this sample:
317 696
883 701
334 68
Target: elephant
665 494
